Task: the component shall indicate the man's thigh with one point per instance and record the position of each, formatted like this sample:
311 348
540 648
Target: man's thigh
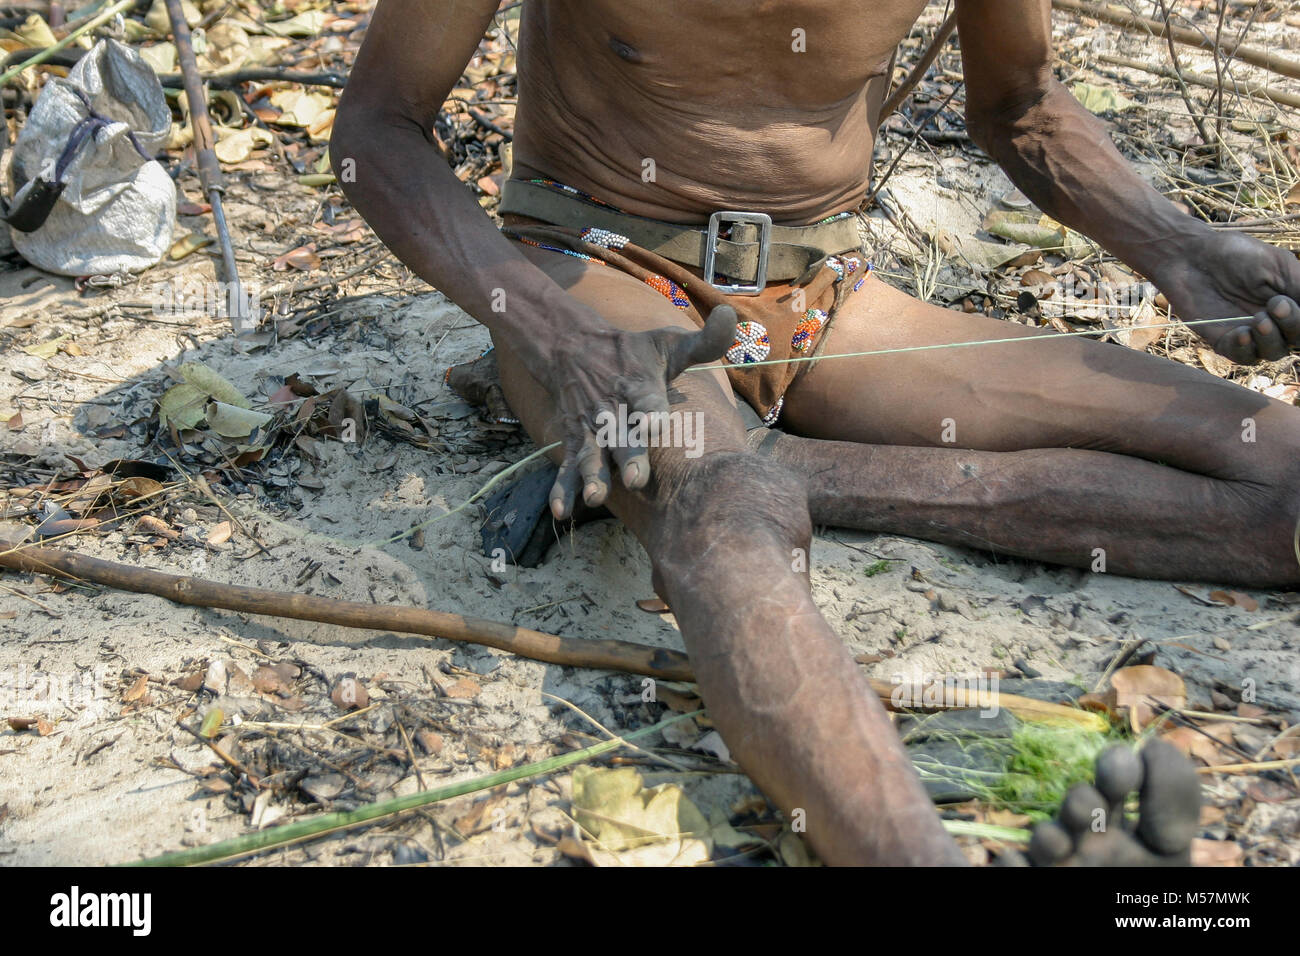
1049 392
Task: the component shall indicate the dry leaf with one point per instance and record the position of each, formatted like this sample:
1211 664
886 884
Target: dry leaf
219 534
1140 687
304 258
137 689
185 245
15 422
1235 599
140 487
349 694
267 680
463 688
1208 750
190 682
1215 363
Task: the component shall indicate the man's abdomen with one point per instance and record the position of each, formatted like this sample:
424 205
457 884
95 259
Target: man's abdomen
704 112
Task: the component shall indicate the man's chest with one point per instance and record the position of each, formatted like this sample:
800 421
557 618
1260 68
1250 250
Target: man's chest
792 53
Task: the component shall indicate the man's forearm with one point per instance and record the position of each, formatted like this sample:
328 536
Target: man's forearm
1062 158
407 193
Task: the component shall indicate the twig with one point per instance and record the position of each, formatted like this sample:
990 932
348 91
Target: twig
1274 97
895 98
41 57
331 822
1182 84
1254 767
623 656
235 77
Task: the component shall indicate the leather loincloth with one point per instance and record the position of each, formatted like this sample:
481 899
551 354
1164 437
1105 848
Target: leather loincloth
786 320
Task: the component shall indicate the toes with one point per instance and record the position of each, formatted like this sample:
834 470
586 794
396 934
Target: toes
1083 809
1119 773
1049 844
1171 800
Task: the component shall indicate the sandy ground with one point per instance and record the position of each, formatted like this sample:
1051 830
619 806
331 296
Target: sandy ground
116 778
94 790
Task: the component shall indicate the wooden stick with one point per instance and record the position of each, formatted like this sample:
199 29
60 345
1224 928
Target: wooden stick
895 99
1252 767
209 167
624 656
1270 95
570 652
1121 17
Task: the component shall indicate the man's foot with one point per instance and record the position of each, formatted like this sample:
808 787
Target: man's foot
1092 831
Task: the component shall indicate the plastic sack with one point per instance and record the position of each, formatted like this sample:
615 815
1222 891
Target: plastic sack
89 198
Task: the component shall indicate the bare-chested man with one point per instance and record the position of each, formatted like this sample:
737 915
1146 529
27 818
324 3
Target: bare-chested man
1061 449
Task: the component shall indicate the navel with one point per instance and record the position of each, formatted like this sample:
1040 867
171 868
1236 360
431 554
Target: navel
624 50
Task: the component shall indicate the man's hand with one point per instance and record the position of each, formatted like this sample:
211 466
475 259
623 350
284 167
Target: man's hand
597 368
1231 275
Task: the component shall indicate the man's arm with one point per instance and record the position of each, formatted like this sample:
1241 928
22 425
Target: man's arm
1062 158
1058 153
387 165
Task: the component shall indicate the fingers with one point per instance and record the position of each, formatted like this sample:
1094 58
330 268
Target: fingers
1270 335
633 465
1284 311
583 469
1267 337
707 345
1238 345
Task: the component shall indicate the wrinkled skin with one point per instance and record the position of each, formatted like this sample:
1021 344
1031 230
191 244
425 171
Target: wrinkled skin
1066 449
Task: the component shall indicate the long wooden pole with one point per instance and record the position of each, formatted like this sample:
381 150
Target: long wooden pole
1122 17
571 652
624 656
209 168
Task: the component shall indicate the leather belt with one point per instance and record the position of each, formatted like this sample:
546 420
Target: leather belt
753 247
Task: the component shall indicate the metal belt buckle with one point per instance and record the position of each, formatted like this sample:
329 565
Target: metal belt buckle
764 222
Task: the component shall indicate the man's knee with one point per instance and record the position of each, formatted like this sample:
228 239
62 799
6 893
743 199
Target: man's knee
730 497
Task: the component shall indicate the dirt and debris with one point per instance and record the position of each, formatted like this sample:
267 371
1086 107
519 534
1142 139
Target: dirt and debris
134 428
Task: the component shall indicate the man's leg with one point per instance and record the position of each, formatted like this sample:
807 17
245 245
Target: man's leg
722 531
1049 450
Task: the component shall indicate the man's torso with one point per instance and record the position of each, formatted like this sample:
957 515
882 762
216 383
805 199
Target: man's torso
672 109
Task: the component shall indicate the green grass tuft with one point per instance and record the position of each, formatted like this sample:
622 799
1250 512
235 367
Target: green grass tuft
1045 763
